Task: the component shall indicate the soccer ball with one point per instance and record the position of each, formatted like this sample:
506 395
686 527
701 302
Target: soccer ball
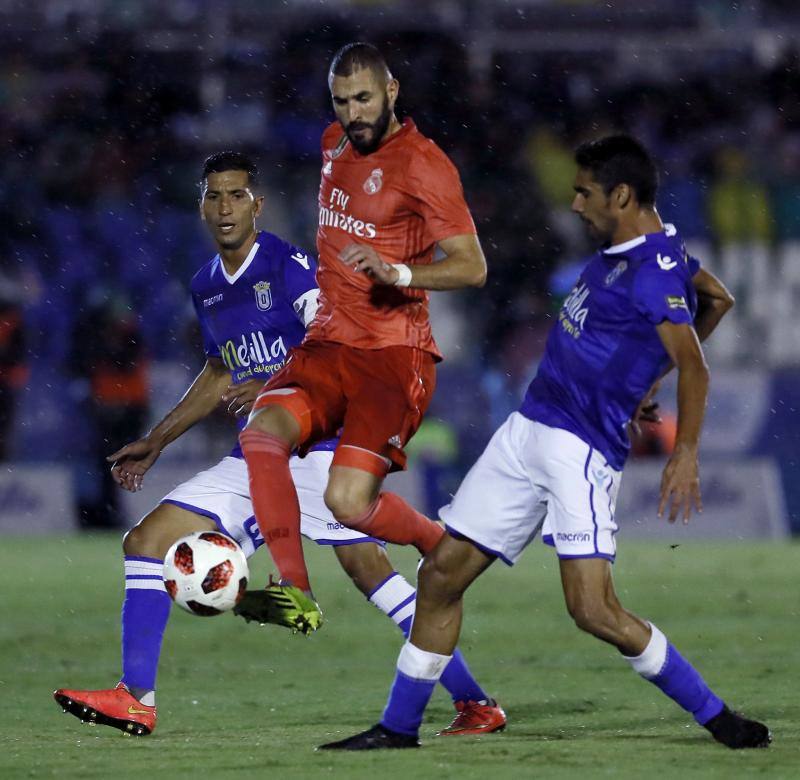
205 573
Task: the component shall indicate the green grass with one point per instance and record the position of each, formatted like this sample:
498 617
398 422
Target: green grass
237 701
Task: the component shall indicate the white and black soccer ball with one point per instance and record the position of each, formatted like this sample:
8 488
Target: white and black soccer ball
206 573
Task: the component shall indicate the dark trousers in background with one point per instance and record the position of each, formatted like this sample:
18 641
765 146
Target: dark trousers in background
114 427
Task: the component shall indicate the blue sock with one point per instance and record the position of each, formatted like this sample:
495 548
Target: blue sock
414 681
408 699
145 612
684 685
397 598
667 669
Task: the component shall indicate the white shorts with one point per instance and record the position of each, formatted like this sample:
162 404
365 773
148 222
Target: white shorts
530 473
222 493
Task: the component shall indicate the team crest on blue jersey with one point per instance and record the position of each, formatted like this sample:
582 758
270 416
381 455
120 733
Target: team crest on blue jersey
374 183
263 296
616 272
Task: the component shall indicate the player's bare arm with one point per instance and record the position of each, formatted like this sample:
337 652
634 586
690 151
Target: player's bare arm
132 461
463 265
647 411
680 484
240 398
714 301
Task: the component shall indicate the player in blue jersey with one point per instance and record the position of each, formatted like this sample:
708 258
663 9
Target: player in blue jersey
639 307
254 301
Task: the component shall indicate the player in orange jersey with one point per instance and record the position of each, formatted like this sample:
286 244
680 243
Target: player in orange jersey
388 198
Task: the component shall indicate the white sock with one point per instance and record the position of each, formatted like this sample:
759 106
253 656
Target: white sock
650 663
420 664
148 699
144 574
395 597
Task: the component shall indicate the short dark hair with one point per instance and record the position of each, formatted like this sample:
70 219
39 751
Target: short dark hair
356 56
620 159
230 161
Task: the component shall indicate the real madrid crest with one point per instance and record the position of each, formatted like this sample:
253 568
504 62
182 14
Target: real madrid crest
374 183
263 296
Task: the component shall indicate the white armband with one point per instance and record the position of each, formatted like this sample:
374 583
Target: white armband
403 275
305 307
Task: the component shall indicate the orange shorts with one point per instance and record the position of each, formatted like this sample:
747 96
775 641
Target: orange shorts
374 399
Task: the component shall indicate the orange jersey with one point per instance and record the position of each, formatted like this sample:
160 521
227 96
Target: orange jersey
401 200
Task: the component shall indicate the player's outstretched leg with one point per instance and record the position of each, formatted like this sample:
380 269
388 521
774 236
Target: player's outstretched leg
386 517
476 712
444 576
667 669
130 706
266 444
371 571
592 602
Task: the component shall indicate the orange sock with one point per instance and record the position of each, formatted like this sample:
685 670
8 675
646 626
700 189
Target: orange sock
275 503
392 519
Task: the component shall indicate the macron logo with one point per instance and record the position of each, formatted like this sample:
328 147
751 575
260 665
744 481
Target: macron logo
302 259
665 263
573 537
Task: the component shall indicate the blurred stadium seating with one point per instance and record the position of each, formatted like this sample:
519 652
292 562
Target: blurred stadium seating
109 108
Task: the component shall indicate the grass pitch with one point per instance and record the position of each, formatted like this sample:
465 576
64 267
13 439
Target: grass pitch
237 701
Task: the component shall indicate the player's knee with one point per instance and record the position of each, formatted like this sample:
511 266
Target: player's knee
276 421
152 536
138 541
593 616
437 581
346 505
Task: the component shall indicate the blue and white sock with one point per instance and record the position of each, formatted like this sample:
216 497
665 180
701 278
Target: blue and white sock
145 612
395 597
417 674
665 667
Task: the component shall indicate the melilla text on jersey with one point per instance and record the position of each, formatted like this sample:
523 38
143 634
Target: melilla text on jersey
574 311
251 356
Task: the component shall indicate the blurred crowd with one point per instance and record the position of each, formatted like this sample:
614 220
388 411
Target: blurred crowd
104 137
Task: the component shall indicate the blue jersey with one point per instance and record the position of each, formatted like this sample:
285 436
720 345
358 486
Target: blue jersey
604 353
251 320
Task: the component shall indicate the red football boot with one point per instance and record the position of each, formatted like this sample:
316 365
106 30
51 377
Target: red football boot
476 718
115 707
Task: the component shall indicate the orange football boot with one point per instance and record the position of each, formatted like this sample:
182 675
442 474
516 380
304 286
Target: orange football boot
476 718
115 707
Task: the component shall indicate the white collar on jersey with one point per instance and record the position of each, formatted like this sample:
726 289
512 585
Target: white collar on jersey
242 268
617 248
669 231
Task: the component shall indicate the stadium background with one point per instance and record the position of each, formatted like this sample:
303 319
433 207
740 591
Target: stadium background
108 109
